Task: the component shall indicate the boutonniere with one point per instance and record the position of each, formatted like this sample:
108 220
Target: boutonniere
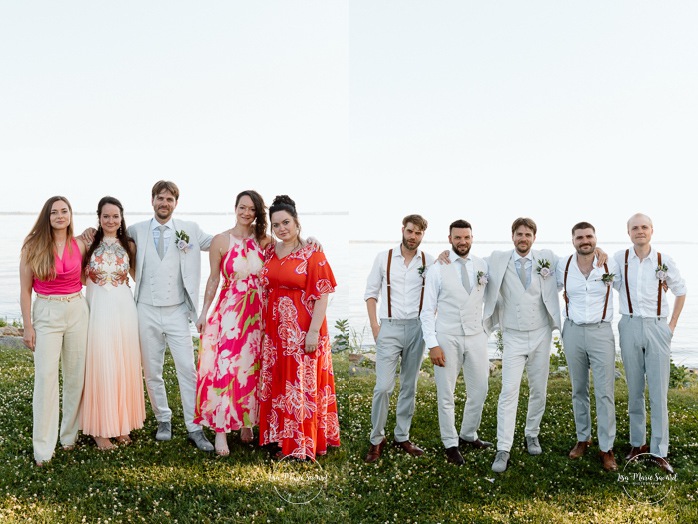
422 271
608 278
482 278
544 268
661 272
182 241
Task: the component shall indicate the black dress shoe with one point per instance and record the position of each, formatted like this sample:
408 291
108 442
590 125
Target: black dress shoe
454 456
477 444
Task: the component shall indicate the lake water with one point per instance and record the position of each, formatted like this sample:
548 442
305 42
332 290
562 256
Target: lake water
351 261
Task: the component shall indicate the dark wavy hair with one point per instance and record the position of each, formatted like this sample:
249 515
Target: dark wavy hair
260 215
121 234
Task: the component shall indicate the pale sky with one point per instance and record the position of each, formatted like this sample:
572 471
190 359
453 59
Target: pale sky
561 111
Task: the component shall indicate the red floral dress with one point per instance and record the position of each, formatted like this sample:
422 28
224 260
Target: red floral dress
298 405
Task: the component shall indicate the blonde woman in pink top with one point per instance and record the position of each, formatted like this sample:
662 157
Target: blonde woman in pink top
55 327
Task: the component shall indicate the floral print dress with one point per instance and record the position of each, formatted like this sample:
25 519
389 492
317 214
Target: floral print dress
228 374
298 405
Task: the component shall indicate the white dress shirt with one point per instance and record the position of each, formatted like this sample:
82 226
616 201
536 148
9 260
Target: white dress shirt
527 262
431 296
587 295
643 283
405 284
169 232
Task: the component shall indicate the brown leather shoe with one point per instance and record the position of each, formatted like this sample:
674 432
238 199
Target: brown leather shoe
608 460
410 448
579 448
662 463
637 450
374 452
477 444
454 456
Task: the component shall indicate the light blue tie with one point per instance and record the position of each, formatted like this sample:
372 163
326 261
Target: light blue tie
522 271
464 274
161 242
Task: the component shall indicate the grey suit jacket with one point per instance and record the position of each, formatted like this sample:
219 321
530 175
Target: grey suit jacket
498 262
189 263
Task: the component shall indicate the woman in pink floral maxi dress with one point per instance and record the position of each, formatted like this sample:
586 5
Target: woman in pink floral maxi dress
229 355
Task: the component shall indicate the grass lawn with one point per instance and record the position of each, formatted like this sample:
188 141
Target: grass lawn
151 481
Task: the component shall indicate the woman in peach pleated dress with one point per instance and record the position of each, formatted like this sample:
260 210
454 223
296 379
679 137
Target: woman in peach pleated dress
113 402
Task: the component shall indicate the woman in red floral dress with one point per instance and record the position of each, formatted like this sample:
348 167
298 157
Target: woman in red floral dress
298 406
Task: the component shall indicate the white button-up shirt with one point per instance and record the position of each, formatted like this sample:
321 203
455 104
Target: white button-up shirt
527 263
156 232
588 295
643 283
405 284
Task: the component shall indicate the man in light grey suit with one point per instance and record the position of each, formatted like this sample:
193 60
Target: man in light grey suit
453 332
168 273
521 298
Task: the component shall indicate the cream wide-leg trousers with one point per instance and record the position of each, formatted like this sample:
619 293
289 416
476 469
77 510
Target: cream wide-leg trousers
61 342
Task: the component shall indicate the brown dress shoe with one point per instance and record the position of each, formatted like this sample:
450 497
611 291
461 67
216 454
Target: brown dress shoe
454 456
410 448
608 460
374 452
637 450
662 463
579 449
477 444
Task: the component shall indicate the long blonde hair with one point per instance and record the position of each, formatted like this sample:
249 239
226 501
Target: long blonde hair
37 249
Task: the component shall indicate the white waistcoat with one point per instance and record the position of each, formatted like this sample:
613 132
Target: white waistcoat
459 313
522 310
161 281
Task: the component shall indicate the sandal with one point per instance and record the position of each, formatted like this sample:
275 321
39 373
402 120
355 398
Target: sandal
124 439
104 444
246 435
221 444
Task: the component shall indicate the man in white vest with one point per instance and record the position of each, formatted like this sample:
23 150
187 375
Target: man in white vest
522 299
454 334
168 274
589 342
645 335
397 278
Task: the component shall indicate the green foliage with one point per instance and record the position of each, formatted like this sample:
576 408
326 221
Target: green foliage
499 341
167 482
348 339
15 323
679 376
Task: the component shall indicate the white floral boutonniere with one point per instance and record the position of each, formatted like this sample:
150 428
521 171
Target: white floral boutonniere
544 268
182 241
608 278
482 278
661 272
422 270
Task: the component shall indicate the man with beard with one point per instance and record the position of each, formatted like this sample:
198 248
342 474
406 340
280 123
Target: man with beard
397 278
522 298
645 335
457 340
168 273
588 340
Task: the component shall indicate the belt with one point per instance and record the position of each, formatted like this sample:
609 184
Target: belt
61 298
400 320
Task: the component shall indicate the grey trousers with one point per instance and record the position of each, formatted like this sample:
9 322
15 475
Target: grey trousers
592 346
645 346
399 341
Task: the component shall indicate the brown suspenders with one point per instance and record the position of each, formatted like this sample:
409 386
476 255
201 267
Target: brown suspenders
567 300
659 286
387 278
